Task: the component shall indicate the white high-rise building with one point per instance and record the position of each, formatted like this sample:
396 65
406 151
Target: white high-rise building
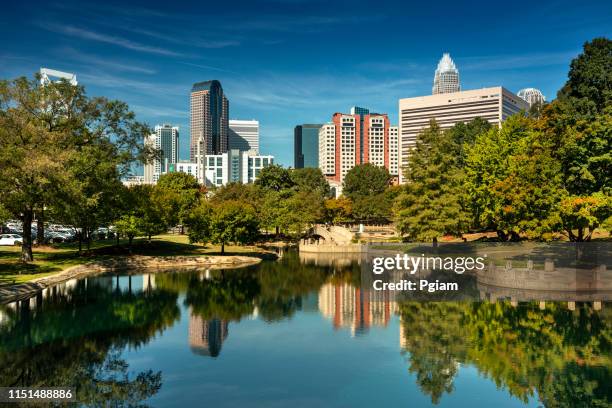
233 166
185 166
48 75
394 150
327 148
446 78
166 140
244 135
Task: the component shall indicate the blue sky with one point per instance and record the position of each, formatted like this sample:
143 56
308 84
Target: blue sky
295 61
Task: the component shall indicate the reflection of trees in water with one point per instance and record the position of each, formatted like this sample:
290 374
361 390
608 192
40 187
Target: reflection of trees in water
274 289
75 338
562 355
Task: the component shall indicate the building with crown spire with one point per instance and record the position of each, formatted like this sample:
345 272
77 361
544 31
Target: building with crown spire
532 96
446 78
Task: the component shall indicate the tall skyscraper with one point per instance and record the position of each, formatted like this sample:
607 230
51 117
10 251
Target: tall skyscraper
532 96
492 104
206 337
446 78
166 140
209 110
341 146
244 135
306 146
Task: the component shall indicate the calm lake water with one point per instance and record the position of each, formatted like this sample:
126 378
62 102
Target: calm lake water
301 333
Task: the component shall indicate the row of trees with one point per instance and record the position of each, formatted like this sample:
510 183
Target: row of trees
288 201
539 174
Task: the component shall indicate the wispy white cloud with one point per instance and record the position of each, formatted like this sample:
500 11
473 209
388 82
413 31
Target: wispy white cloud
187 38
160 112
509 62
108 39
103 63
327 91
206 67
106 80
302 23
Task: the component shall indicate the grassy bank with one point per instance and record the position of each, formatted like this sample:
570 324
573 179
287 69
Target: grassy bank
52 259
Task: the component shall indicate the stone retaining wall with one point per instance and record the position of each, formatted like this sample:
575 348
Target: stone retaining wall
10 293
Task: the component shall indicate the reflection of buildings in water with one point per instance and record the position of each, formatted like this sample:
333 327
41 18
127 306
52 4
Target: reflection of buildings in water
206 336
349 306
341 260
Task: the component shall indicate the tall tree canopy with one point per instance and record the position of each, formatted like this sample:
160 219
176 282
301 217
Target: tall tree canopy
54 140
589 84
433 202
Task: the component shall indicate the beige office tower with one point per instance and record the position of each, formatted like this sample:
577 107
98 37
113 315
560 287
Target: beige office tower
327 148
209 124
492 104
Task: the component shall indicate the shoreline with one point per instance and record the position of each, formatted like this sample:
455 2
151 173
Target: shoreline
13 292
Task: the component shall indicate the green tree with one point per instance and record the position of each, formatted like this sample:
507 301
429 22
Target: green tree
580 216
512 181
179 193
233 221
199 223
365 180
129 225
249 193
310 180
589 84
338 210
577 129
433 202
302 210
149 207
274 178
45 131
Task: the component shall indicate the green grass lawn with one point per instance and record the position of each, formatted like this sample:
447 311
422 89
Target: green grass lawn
52 259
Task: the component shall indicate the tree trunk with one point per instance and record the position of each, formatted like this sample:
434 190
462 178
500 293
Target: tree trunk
149 238
117 238
26 245
80 241
435 242
88 239
502 235
40 226
222 248
580 237
130 238
514 236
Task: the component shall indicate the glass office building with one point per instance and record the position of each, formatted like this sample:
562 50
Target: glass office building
209 124
306 146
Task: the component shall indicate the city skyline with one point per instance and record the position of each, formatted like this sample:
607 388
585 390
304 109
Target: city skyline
152 67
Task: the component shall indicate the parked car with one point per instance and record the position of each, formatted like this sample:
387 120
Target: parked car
10 239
